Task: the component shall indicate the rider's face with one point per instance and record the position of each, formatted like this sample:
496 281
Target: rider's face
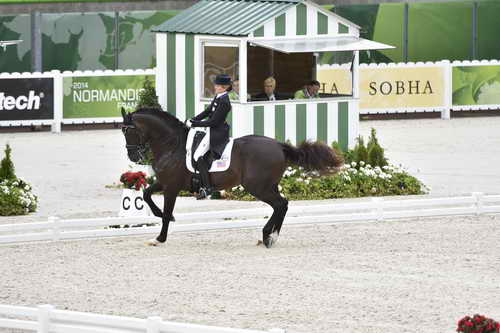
219 89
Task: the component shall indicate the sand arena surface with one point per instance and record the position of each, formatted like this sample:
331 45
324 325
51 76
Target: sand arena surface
390 277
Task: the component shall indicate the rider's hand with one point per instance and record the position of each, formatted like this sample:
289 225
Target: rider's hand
188 122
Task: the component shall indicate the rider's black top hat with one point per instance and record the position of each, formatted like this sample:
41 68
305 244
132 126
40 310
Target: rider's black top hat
223 79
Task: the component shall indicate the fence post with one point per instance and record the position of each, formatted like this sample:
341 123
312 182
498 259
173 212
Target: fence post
478 196
153 324
44 318
36 42
58 102
448 88
55 227
378 208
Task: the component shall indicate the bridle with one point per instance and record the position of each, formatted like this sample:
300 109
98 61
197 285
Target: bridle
141 148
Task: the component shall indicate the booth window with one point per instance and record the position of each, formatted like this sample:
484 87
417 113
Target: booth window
218 58
291 71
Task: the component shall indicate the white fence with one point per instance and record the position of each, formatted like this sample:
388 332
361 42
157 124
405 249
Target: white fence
46 318
376 210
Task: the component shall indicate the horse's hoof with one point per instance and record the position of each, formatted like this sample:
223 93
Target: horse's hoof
153 242
268 242
271 240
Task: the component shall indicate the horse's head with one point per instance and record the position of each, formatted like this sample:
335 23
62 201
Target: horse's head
135 141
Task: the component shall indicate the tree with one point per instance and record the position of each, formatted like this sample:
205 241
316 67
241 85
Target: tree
6 166
147 97
376 154
360 153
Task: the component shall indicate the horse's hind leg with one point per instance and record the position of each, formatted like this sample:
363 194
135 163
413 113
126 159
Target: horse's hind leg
272 197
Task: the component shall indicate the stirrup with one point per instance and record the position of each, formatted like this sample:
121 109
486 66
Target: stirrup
204 193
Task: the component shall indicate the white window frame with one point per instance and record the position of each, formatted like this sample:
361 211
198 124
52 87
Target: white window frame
214 41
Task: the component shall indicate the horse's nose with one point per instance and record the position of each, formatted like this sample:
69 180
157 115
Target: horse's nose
134 157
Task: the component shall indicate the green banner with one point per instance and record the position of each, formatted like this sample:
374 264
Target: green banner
438 31
78 41
379 22
137 42
476 85
101 96
15 58
488 39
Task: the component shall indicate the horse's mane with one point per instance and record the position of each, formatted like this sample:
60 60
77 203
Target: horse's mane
166 117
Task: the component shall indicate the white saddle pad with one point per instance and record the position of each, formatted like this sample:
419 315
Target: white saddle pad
219 165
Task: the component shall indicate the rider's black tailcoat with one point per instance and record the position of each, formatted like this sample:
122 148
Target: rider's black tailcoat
216 114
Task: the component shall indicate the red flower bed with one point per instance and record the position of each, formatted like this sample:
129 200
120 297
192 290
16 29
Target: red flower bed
134 180
478 324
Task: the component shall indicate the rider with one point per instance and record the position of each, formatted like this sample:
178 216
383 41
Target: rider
216 114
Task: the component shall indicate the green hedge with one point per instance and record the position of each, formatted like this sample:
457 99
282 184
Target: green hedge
366 172
353 181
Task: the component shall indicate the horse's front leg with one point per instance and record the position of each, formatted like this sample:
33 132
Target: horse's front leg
168 208
148 192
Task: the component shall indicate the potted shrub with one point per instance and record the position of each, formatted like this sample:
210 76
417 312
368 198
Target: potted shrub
16 197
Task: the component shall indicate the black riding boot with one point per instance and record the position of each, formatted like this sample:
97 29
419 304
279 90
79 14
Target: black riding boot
206 188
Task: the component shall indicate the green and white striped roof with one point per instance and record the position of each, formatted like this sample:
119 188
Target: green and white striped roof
226 17
239 17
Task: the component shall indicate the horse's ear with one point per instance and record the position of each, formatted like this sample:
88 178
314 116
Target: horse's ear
124 114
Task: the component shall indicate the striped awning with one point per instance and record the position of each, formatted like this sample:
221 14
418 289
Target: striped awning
323 44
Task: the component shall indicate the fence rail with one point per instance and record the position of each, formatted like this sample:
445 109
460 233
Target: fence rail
46 318
376 209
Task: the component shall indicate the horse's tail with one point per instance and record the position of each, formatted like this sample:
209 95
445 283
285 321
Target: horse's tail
315 156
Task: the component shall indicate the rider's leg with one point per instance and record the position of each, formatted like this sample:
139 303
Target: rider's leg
203 166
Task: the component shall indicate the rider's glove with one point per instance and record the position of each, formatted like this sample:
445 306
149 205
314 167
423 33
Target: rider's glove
188 123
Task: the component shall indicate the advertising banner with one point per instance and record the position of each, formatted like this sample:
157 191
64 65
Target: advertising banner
402 87
101 96
335 81
476 85
389 87
27 99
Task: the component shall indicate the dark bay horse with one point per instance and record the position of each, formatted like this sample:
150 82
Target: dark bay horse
257 163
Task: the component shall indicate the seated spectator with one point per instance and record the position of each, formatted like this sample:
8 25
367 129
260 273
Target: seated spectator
311 90
234 94
269 94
